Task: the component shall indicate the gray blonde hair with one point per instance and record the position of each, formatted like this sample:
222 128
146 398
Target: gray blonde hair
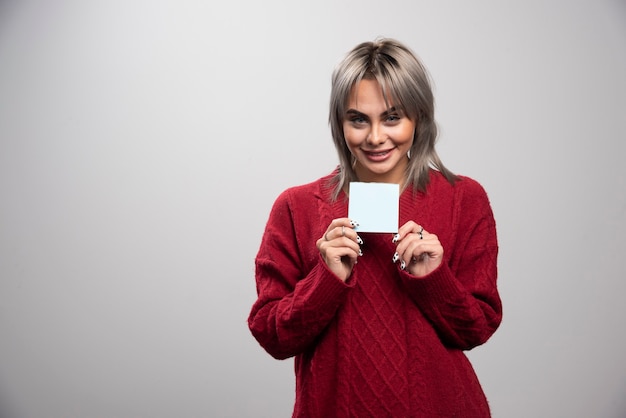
405 82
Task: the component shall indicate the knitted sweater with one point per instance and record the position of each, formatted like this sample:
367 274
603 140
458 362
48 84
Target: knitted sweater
384 343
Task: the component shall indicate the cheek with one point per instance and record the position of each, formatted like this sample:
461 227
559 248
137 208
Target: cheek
406 133
353 137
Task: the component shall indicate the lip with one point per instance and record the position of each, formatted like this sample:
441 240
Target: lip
377 155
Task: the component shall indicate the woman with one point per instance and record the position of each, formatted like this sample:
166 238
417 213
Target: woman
378 322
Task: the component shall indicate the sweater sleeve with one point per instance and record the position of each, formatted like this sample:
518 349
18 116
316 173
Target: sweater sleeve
460 298
294 305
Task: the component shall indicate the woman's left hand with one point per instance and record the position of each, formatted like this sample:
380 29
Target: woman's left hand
418 251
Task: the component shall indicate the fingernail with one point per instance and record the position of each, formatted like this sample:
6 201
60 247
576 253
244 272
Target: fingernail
360 252
354 223
396 257
359 240
395 238
402 265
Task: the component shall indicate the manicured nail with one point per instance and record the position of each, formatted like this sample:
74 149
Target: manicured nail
396 257
354 223
360 253
402 265
395 238
359 240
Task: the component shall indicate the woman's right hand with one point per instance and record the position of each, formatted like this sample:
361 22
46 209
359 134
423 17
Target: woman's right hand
340 247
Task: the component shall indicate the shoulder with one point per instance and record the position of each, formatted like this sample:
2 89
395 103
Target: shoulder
305 194
471 189
465 202
466 197
465 187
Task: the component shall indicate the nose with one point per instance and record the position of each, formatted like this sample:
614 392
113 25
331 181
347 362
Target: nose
376 135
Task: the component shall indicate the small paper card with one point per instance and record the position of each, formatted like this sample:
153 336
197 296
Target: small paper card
375 206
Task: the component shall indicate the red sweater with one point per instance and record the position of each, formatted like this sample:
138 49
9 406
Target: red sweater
384 343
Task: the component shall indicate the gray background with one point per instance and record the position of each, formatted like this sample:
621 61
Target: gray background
142 144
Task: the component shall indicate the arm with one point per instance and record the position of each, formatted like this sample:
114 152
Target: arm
460 297
294 306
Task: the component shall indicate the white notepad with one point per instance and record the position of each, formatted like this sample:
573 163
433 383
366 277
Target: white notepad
375 206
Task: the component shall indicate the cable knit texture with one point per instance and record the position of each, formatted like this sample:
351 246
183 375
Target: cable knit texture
384 343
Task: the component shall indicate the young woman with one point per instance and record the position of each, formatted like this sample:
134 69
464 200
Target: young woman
378 322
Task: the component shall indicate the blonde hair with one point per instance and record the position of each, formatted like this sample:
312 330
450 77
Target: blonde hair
405 81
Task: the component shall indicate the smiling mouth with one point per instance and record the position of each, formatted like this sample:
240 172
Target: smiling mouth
377 153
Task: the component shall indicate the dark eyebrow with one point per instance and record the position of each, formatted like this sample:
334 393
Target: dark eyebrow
354 112
390 111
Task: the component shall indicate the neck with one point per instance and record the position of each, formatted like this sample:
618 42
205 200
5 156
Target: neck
397 175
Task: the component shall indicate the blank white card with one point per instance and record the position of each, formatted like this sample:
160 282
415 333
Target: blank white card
375 206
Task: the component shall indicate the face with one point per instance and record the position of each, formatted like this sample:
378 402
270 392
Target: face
378 135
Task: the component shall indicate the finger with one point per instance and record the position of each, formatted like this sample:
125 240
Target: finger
409 250
336 256
339 259
403 231
342 227
347 222
346 242
419 234
408 228
340 242
425 253
334 233
415 251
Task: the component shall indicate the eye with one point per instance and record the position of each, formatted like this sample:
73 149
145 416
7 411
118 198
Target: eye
393 118
357 120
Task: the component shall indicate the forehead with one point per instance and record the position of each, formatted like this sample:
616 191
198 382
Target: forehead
368 94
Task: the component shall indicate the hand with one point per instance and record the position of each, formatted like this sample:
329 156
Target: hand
418 251
340 247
